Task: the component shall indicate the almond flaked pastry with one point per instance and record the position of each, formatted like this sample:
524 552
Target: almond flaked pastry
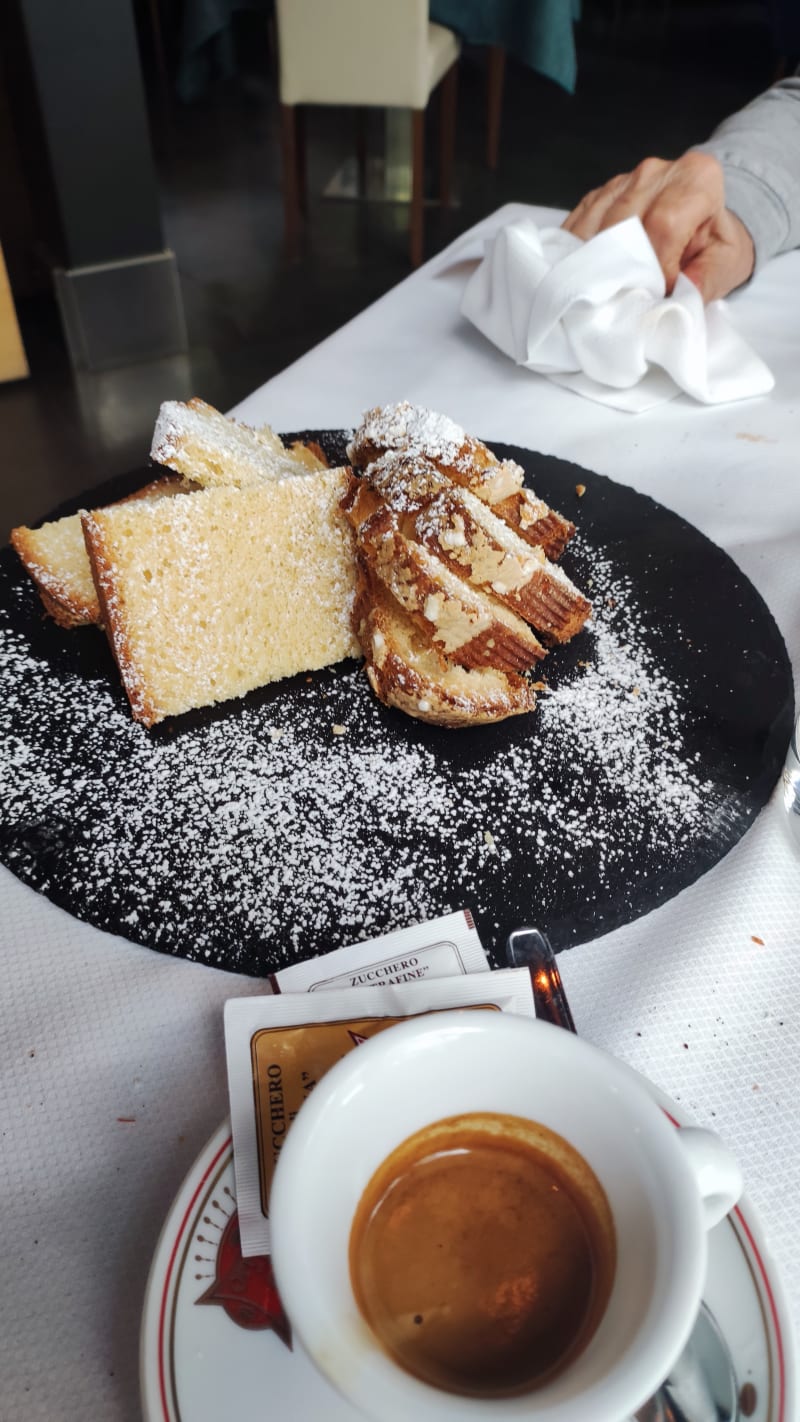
460 622
481 548
419 433
476 545
413 430
451 575
406 672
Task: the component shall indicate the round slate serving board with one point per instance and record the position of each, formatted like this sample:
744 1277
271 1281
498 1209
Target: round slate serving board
308 815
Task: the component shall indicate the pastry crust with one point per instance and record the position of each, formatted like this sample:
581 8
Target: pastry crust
419 433
534 522
405 672
113 619
459 622
476 544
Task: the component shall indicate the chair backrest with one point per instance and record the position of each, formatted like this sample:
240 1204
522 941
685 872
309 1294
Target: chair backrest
372 52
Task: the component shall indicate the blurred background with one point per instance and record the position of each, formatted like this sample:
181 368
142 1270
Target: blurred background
152 183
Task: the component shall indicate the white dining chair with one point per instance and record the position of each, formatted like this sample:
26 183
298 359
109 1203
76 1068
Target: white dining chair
364 53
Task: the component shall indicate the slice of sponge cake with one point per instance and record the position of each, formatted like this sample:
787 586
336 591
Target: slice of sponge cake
54 556
207 597
209 448
198 442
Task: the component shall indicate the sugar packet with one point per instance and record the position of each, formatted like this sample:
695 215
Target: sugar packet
439 948
279 1046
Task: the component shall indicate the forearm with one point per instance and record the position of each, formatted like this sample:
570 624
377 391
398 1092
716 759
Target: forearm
759 149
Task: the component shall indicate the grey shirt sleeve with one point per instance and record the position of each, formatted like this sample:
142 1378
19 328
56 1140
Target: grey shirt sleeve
759 149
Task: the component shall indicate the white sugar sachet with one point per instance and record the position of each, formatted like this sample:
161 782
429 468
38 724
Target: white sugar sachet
278 1047
440 948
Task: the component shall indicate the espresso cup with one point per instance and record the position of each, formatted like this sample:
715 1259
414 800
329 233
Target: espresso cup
665 1187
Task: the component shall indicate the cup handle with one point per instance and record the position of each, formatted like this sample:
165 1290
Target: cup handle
717 1173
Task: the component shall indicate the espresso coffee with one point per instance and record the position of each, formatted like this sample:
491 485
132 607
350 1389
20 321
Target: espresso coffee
482 1254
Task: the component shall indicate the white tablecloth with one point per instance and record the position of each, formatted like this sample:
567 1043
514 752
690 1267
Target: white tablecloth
96 1030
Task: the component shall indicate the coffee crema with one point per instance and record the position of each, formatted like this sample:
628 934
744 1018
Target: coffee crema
482 1254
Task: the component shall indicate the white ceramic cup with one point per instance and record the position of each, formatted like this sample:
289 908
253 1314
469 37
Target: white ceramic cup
666 1188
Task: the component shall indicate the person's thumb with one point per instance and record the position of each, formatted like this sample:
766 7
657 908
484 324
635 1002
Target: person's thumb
710 272
722 263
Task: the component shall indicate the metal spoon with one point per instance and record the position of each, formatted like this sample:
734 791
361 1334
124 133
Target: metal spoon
701 1386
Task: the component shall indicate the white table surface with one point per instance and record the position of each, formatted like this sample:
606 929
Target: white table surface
94 1028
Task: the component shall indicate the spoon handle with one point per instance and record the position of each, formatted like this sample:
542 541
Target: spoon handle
530 948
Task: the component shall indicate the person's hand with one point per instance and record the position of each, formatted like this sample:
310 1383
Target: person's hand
682 209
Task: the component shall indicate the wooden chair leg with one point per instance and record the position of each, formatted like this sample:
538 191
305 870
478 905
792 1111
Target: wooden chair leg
361 150
291 195
497 74
447 133
417 185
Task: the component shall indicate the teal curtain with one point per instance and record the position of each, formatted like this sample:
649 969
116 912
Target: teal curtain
539 32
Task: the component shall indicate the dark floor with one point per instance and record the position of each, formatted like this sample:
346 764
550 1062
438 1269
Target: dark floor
655 83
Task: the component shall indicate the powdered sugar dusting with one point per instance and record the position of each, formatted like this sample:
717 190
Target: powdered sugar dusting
425 434
411 428
267 833
193 438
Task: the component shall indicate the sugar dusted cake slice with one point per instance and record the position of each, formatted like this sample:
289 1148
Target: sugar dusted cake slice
206 597
210 448
55 558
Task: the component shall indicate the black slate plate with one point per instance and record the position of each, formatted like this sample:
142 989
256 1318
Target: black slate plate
254 834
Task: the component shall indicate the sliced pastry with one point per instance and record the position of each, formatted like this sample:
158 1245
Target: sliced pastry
406 671
417 432
207 597
460 622
477 545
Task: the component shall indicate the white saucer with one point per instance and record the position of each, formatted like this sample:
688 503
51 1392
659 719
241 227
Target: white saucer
209 1350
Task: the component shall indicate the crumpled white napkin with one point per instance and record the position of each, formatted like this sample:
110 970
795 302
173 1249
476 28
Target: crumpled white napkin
594 316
